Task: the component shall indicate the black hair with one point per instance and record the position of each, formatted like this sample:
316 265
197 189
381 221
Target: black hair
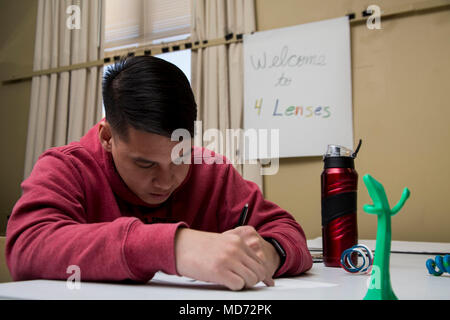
149 94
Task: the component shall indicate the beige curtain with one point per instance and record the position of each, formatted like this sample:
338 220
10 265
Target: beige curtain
64 105
217 74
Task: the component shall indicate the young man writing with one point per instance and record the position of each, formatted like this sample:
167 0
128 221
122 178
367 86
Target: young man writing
117 206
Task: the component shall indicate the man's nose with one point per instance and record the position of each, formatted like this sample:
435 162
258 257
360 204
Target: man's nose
163 179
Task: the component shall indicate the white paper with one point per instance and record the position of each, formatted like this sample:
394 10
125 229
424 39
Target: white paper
298 80
161 278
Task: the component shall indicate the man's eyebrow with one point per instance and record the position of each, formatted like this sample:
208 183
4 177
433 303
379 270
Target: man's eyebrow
140 159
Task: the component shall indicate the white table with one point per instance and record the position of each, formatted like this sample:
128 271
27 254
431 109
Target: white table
409 277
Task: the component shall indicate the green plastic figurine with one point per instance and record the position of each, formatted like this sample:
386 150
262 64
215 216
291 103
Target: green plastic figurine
380 282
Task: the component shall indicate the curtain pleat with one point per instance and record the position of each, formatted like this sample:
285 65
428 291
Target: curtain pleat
64 106
217 72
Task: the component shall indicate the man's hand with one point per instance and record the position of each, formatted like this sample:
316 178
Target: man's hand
235 259
263 249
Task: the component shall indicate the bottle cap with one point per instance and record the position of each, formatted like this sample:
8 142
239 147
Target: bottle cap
340 151
340 157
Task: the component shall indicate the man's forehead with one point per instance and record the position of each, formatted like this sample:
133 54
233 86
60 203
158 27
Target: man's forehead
142 144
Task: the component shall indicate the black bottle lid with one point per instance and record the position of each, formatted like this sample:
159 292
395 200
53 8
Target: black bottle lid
339 162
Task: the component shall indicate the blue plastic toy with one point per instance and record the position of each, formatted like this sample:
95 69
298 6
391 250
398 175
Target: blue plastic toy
442 262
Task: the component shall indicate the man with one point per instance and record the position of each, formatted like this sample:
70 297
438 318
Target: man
116 205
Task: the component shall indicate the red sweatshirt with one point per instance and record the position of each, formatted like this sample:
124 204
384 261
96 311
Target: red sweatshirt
76 210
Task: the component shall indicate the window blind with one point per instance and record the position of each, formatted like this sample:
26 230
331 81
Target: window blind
139 22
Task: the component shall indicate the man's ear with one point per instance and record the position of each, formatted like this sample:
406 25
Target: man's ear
105 135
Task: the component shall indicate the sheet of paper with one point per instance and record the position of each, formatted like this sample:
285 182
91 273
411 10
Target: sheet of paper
161 278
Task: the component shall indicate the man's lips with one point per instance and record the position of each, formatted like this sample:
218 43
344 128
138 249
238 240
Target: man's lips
160 195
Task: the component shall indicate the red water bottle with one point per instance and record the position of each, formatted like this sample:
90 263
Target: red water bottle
339 181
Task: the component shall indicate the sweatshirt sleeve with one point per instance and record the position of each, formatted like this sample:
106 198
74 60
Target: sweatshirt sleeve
269 220
48 232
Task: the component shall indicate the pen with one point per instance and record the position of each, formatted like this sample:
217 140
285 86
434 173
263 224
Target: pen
243 217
